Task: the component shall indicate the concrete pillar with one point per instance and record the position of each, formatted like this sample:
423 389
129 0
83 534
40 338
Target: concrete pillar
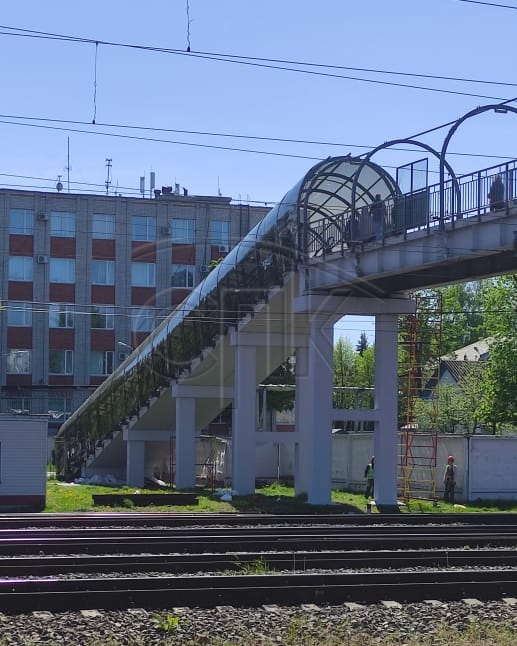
185 443
135 463
244 420
386 399
300 415
314 392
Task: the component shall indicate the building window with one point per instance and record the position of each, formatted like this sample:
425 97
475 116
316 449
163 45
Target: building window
19 406
62 224
143 228
143 274
21 222
60 315
21 268
101 362
19 361
103 226
61 362
103 317
62 270
183 231
219 232
142 319
182 276
19 314
103 272
59 408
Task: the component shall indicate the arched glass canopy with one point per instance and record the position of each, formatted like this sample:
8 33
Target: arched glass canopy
313 218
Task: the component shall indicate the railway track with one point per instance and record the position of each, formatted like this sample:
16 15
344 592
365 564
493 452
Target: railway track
160 566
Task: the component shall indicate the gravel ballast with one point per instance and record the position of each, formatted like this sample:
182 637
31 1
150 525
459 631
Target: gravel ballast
267 625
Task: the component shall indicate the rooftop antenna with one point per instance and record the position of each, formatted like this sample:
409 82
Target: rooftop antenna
142 185
218 187
108 178
152 183
68 163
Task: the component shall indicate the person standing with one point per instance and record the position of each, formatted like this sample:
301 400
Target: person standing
449 480
378 213
496 194
369 474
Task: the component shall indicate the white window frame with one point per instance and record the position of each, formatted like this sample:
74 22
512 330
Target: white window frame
19 361
19 405
219 232
62 270
101 362
68 361
21 222
143 274
103 226
183 230
63 311
19 314
188 281
143 228
103 272
104 312
59 408
21 268
62 224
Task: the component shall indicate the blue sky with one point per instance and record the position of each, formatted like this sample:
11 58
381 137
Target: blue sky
143 93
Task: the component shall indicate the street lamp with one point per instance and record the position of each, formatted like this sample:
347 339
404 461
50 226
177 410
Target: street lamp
125 345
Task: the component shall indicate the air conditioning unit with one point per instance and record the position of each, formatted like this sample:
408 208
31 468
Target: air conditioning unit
42 216
42 260
204 270
165 232
122 356
224 248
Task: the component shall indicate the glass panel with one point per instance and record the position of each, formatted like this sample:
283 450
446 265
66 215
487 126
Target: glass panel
19 314
103 226
62 224
21 268
21 221
19 361
62 270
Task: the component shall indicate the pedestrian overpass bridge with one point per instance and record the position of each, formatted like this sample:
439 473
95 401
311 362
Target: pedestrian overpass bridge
320 254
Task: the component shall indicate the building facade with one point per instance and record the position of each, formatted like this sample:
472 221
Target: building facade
85 278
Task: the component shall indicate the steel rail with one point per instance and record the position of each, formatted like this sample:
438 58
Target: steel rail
178 519
203 533
221 543
201 591
237 562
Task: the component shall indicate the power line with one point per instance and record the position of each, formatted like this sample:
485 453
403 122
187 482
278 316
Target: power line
277 64
490 4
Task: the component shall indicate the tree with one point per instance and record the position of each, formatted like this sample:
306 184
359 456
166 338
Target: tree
345 361
282 398
362 344
499 402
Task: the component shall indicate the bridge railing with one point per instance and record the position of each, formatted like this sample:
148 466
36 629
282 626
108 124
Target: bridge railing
416 211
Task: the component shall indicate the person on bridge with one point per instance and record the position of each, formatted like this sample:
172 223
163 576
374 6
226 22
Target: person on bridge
496 194
378 213
369 474
449 480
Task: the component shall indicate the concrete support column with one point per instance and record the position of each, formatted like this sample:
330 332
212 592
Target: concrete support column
244 420
135 463
386 399
314 394
185 443
300 415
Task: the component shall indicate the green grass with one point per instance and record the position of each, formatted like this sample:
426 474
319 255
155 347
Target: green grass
275 498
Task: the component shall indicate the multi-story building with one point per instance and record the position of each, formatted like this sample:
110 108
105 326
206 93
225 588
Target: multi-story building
85 278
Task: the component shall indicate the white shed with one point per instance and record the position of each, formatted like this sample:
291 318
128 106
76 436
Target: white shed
23 462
